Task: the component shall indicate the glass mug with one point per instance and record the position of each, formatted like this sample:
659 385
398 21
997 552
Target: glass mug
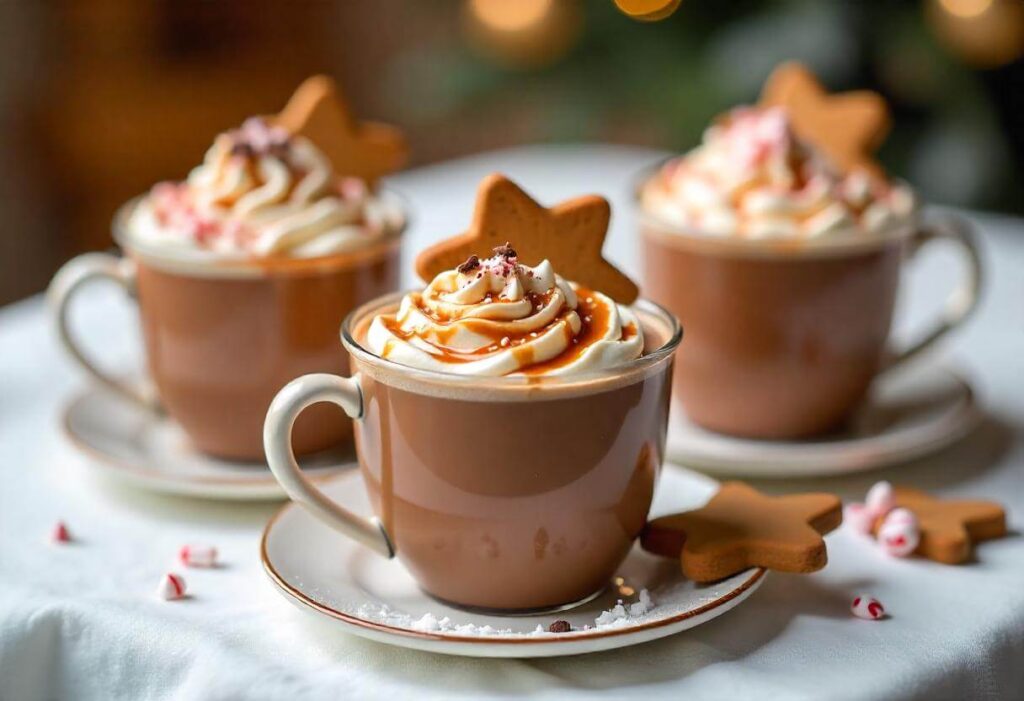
502 493
784 338
221 337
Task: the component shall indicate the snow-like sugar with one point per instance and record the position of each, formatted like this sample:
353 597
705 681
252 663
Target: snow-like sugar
618 616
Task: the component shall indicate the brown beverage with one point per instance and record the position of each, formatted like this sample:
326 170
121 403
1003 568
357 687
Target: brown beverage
785 275
243 273
512 492
219 348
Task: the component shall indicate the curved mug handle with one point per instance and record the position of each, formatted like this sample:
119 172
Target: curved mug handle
962 301
277 442
71 278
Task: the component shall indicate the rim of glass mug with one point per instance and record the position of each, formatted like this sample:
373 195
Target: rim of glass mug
900 233
506 387
202 264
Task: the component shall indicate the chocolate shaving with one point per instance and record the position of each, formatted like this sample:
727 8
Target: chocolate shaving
279 149
505 251
560 627
471 264
241 148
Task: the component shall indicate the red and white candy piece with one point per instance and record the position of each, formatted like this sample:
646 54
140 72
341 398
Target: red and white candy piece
899 534
859 517
172 586
880 499
60 533
867 608
198 555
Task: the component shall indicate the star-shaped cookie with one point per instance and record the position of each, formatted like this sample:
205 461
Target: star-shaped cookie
741 528
848 127
366 150
950 527
570 235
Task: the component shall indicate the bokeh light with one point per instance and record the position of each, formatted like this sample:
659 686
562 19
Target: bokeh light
648 10
966 8
983 33
506 16
522 34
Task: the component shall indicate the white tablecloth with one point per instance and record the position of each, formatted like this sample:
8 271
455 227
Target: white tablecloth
80 621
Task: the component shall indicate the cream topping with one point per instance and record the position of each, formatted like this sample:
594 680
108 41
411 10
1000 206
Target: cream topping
752 178
262 192
499 317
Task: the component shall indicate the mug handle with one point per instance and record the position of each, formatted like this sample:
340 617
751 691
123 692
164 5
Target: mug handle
74 275
963 300
277 442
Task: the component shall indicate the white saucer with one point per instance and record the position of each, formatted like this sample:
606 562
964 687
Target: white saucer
151 452
332 578
910 413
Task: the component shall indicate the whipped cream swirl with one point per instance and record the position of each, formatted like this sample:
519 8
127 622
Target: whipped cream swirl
262 192
752 178
500 317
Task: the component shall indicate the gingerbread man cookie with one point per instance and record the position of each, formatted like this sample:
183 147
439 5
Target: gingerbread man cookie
367 150
570 235
741 528
949 528
848 127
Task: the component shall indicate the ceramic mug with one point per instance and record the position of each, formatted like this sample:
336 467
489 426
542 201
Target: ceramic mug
221 337
507 493
784 338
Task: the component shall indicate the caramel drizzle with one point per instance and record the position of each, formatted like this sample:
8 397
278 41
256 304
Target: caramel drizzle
594 322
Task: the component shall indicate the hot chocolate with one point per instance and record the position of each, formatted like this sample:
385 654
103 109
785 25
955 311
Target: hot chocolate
521 492
243 272
511 427
783 267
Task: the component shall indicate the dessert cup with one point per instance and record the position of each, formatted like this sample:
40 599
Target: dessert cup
512 493
785 336
222 335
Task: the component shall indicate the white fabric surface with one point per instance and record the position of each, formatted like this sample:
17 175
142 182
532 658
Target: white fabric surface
81 622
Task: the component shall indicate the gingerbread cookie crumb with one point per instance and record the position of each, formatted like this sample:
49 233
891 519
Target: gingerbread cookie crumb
471 264
505 251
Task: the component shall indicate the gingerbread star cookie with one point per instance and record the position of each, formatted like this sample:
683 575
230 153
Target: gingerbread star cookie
741 528
570 235
848 127
949 528
367 150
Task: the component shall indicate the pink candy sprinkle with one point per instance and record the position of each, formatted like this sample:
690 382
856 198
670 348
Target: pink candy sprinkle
353 188
171 587
880 499
899 534
198 555
859 517
60 533
867 608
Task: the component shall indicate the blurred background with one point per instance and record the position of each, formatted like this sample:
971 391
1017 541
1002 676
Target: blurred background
101 99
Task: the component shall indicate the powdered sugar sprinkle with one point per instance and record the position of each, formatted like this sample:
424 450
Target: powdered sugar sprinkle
619 616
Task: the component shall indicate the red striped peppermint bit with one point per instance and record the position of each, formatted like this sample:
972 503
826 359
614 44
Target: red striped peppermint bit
172 587
867 608
859 518
899 534
880 499
198 555
60 533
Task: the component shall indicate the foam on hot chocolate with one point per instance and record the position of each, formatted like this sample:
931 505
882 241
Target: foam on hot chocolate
260 193
496 317
752 178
